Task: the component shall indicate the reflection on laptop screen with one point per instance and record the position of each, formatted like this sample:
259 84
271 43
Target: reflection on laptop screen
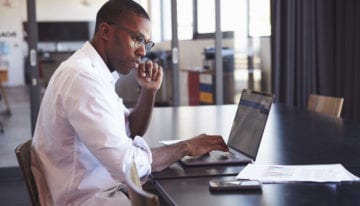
249 122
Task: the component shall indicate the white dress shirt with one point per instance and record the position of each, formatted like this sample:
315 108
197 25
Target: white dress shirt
81 146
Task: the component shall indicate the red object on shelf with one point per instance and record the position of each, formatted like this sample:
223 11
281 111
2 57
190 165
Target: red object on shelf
194 88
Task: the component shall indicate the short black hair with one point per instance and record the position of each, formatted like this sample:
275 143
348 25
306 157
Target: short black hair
113 10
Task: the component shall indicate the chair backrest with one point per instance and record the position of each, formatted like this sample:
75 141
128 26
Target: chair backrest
23 155
325 104
138 196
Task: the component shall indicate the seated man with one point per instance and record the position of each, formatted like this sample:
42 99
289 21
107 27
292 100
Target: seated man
85 138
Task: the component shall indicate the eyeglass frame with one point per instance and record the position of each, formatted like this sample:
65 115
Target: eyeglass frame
138 39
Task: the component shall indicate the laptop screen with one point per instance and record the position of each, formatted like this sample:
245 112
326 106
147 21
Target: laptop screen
249 122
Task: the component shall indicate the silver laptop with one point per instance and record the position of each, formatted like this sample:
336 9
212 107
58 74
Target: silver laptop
246 132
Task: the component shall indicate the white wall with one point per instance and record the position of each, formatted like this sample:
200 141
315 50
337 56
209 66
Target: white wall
67 10
12 16
11 36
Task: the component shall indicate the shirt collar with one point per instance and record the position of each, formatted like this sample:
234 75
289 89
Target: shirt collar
98 63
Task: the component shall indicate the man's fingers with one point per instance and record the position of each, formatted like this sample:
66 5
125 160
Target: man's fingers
148 70
156 71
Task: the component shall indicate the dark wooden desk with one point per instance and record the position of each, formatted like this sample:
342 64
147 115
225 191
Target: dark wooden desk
195 191
292 136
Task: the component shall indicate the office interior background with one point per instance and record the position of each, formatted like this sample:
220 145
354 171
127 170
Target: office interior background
64 26
290 48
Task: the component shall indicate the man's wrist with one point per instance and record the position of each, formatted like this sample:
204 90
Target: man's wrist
186 147
150 92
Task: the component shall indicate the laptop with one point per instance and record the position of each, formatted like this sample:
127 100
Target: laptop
245 135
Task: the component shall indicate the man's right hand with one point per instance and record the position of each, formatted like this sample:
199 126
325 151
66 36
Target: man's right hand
202 144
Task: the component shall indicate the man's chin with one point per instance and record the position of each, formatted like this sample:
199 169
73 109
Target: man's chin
125 71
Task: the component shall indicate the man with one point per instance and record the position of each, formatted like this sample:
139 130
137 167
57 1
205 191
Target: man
85 138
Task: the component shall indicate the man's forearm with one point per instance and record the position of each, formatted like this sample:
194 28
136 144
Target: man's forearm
199 145
139 117
167 155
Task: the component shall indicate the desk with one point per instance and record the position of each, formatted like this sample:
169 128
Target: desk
291 136
194 191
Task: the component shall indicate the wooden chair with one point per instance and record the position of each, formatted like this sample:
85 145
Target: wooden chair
23 155
138 196
325 104
3 96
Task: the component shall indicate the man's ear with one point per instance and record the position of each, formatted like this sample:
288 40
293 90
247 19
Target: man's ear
104 31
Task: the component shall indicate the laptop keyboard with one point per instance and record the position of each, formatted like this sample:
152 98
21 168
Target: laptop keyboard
220 155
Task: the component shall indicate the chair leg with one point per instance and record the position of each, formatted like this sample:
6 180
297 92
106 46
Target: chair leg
4 96
1 128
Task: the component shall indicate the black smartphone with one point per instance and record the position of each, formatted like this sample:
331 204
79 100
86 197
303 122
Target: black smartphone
228 185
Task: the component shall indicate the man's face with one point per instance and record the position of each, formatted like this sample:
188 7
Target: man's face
124 51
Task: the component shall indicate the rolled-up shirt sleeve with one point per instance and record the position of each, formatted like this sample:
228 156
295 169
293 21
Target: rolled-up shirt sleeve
144 169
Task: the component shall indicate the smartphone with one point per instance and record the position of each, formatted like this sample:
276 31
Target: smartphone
228 185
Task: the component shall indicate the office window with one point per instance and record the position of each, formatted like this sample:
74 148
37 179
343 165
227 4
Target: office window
259 18
185 19
249 16
206 15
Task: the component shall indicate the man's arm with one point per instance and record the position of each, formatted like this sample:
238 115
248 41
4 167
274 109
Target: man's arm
165 156
149 76
139 117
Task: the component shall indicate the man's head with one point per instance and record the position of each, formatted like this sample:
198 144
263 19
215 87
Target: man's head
122 32
114 10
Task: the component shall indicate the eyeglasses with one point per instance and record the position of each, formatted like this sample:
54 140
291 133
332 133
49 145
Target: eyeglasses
139 40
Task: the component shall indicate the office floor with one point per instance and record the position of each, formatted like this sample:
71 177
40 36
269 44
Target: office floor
17 128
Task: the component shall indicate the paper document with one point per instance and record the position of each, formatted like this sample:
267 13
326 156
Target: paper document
296 173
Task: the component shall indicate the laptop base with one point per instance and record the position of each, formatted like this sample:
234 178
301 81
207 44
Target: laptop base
216 158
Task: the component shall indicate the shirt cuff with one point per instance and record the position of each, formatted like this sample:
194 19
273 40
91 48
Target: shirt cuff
144 169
